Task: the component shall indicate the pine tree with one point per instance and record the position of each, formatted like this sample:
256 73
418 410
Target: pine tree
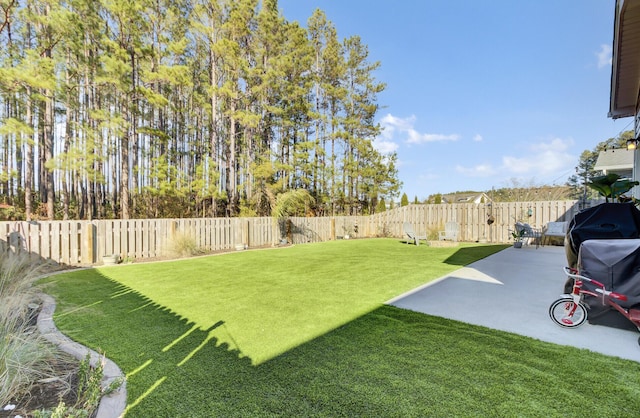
176 108
360 110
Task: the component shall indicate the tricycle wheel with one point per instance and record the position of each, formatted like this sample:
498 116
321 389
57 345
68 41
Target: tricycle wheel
567 314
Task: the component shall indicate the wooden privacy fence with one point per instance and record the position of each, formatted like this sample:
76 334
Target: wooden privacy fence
86 242
472 218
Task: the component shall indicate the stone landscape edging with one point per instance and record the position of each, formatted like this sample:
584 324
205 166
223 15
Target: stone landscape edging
112 405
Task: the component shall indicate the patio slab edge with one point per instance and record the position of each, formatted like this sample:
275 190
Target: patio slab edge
112 405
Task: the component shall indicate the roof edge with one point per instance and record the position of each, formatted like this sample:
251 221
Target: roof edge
613 95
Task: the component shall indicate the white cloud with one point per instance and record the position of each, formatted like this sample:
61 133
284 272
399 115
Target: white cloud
518 165
417 138
540 159
604 56
478 138
384 146
393 122
390 125
554 145
480 170
430 176
393 125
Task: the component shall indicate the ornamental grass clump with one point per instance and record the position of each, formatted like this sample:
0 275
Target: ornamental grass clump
182 245
23 353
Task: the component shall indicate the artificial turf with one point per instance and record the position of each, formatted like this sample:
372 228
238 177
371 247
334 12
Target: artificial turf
303 331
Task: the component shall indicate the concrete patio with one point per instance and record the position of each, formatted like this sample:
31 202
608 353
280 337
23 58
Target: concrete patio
512 291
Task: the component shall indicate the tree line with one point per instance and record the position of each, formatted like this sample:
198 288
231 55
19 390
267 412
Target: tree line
184 108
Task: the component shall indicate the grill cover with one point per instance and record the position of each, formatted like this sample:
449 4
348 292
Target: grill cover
616 264
605 221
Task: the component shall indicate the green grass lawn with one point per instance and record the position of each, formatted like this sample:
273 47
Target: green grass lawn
303 331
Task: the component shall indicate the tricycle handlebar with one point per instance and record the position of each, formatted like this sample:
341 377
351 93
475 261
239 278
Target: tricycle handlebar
573 273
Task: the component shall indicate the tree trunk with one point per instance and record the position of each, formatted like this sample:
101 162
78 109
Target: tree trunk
213 126
124 176
48 153
28 175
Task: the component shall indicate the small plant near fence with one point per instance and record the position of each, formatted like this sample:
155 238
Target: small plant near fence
183 245
432 232
347 231
384 231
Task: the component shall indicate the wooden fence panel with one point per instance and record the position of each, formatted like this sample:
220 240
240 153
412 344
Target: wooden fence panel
231 235
238 235
74 249
45 241
261 231
217 232
109 227
33 238
65 237
138 231
118 230
147 239
56 238
125 239
151 239
85 242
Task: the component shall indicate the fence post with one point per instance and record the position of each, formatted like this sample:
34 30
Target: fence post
247 227
172 229
170 239
333 229
89 244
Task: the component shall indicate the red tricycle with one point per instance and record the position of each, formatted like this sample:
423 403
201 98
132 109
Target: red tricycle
570 311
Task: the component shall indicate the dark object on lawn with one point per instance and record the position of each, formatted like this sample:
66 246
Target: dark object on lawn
605 221
616 264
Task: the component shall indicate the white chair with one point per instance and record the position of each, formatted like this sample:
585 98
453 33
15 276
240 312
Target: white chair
554 230
529 233
450 232
408 230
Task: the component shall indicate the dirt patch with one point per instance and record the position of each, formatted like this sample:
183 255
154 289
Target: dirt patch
443 243
47 393
60 384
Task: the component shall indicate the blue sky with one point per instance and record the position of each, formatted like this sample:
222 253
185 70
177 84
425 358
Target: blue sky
483 93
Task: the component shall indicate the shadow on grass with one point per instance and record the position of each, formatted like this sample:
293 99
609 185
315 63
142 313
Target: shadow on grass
467 255
389 362
152 345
